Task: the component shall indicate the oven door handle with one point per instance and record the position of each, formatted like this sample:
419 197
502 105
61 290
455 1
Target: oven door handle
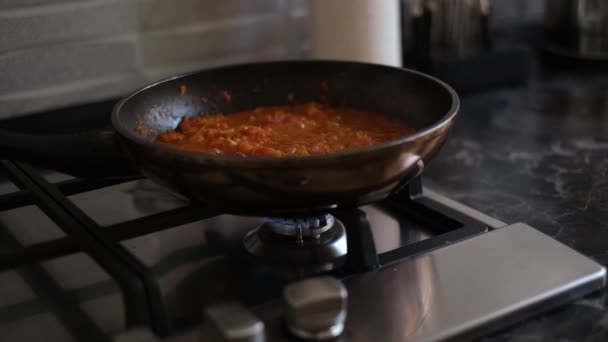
93 154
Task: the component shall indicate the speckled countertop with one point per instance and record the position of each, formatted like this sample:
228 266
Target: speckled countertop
539 155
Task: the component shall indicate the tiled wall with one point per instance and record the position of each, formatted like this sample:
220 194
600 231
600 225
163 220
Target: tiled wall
55 53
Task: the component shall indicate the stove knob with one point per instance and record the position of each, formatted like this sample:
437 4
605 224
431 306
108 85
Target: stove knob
232 322
316 308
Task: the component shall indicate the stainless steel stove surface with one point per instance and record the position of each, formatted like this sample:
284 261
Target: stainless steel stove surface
95 260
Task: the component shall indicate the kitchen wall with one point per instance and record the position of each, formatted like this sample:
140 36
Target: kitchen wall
55 53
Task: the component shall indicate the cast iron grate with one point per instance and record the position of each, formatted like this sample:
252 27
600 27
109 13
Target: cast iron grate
143 301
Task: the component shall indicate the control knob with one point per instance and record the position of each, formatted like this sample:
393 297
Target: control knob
231 322
315 308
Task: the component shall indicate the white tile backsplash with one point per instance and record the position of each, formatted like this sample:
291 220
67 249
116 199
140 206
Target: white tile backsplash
58 64
191 45
21 4
160 14
66 94
155 74
56 53
72 21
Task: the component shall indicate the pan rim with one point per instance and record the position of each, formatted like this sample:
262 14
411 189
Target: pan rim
446 119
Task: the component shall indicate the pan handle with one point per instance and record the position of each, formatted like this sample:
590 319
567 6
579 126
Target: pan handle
90 154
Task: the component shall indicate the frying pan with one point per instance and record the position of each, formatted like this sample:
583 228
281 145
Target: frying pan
261 186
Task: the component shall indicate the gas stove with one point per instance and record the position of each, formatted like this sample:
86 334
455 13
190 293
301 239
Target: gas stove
125 259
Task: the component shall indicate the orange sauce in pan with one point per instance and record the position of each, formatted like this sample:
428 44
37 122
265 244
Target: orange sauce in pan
301 129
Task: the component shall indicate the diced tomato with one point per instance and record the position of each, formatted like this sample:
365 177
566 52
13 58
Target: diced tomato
279 117
245 147
249 130
302 151
298 129
320 148
186 126
171 137
266 151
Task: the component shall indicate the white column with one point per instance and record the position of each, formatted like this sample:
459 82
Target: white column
356 30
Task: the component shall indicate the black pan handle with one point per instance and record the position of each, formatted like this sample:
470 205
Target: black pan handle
90 154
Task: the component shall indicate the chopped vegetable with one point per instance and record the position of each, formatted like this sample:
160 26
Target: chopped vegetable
301 129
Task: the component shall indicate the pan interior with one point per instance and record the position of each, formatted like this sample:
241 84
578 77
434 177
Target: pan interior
420 101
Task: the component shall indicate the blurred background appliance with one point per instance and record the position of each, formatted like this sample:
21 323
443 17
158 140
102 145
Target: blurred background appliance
576 32
453 40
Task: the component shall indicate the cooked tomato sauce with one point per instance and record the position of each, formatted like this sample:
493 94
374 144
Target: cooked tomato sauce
285 130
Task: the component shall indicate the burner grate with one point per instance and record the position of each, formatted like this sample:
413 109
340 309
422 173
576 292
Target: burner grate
142 297
144 303
118 232
65 306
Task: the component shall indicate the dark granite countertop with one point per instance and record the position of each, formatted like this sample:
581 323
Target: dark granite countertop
538 154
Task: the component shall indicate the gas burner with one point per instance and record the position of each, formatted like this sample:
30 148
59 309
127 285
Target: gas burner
317 243
303 228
